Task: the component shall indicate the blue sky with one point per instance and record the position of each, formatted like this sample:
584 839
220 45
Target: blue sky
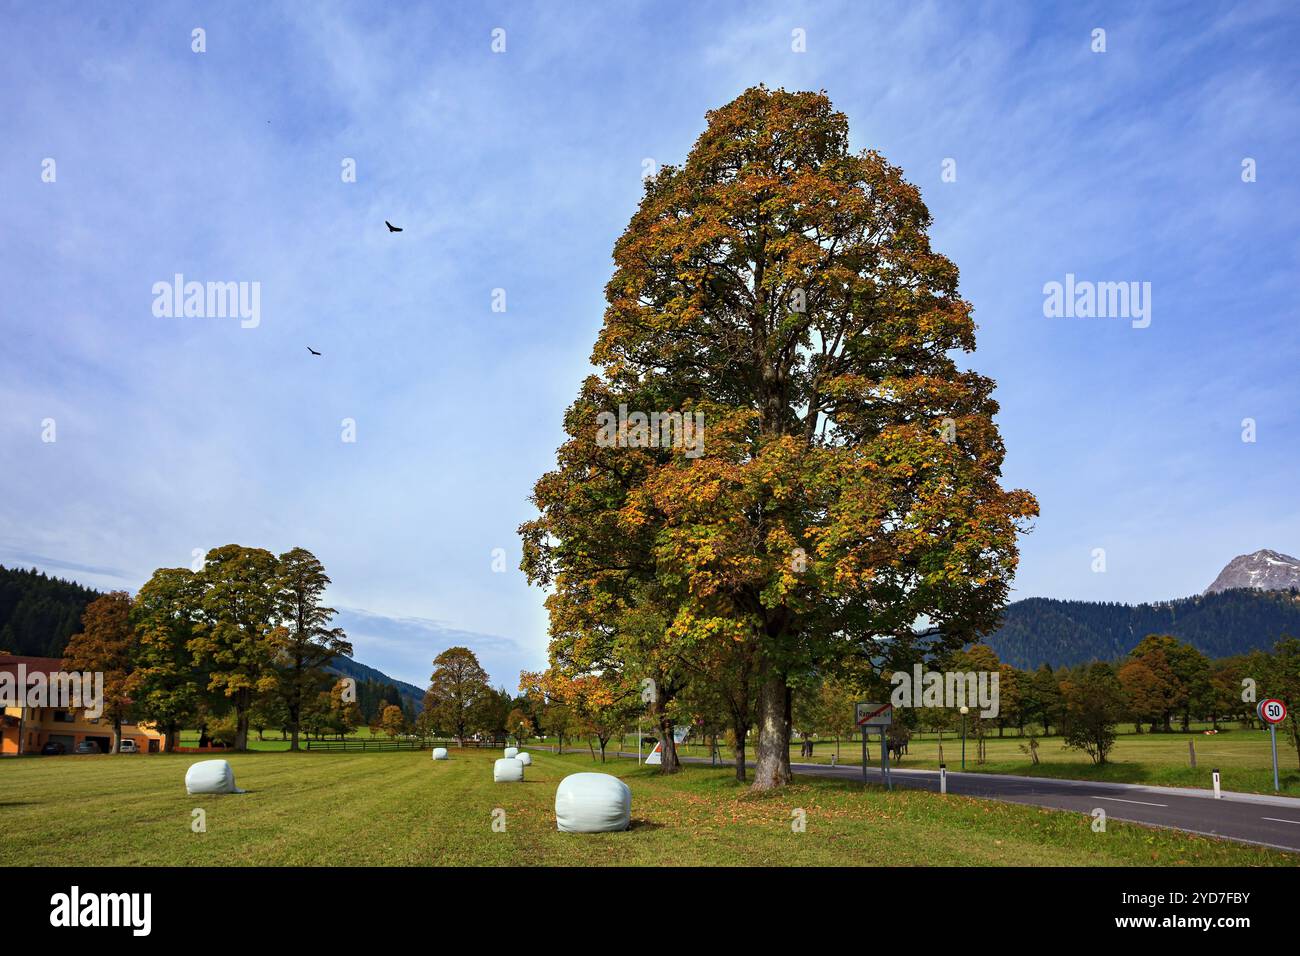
518 170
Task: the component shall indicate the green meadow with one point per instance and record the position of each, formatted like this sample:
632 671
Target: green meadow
402 808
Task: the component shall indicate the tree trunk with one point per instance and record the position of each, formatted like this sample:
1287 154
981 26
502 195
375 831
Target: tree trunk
773 767
117 735
740 733
243 700
667 746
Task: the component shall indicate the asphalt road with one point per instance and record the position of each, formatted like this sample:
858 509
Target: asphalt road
1245 817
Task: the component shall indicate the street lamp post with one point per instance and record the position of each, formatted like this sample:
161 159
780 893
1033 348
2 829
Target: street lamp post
964 712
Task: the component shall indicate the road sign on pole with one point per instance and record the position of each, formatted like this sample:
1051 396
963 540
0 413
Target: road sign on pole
870 714
1272 711
873 716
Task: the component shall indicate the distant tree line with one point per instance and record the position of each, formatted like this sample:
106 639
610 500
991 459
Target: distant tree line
461 703
1160 684
241 643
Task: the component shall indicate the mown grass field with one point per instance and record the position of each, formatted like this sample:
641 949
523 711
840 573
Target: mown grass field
405 809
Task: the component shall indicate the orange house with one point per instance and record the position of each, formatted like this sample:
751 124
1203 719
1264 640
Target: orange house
26 730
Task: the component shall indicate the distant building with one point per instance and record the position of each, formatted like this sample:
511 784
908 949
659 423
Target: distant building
26 730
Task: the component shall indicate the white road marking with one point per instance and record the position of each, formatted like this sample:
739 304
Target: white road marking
1280 820
1143 802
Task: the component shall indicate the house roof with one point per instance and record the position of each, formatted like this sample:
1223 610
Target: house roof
48 665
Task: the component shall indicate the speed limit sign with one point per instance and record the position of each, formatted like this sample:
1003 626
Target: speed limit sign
1272 711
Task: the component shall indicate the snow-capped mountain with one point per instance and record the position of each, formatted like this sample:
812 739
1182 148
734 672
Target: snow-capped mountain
1265 570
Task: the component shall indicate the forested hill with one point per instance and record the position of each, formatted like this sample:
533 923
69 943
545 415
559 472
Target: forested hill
379 685
1046 631
39 613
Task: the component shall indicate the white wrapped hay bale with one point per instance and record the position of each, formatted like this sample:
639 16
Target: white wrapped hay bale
511 752
524 758
439 753
210 776
593 803
507 770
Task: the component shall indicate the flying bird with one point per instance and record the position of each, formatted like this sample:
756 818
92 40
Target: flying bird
312 350
391 227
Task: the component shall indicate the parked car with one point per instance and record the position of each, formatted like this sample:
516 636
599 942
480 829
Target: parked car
53 749
88 747
127 747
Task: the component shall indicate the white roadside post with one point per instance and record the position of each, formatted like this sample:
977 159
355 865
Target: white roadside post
1217 794
1272 711
943 778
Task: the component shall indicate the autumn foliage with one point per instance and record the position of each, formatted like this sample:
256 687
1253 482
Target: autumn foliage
848 485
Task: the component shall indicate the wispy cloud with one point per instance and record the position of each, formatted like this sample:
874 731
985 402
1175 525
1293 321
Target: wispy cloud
15 558
518 171
404 647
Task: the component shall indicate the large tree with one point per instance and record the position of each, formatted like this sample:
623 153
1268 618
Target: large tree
783 288
457 690
166 687
104 645
308 642
235 639
1182 674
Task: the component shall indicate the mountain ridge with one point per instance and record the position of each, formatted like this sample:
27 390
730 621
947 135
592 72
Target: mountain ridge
1265 570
